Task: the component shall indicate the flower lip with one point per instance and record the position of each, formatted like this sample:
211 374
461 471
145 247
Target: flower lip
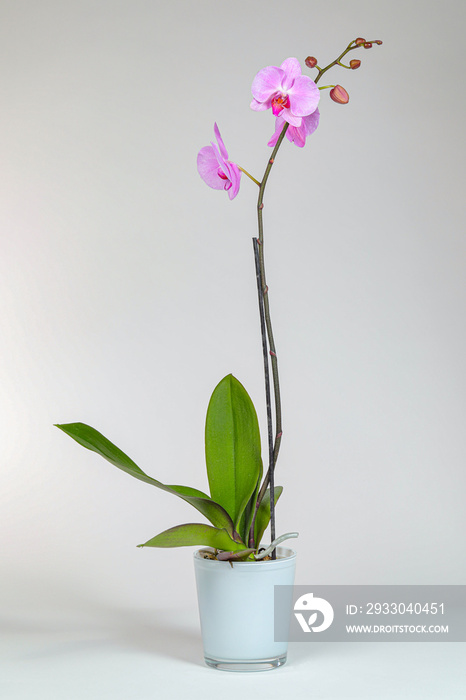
279 103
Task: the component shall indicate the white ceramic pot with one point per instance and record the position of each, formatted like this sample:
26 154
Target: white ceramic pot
236 609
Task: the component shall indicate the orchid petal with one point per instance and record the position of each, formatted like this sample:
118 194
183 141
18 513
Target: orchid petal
261 106
233 175
291 118
292 70
267 82
207 167
278 130
311 122
221 145
298 138
235 179
296 134
304 96
220 161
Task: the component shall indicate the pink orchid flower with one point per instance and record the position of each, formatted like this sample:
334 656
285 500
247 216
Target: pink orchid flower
216 170
296 134
290 94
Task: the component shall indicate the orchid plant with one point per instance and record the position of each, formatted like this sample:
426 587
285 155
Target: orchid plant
241 504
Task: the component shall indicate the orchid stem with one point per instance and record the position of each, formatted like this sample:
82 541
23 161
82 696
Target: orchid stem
260 295
264 302
351 46
249 176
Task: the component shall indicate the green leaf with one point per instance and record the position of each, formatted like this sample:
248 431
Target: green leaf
93 440
195 534
232 444
248 513
263 514
188 491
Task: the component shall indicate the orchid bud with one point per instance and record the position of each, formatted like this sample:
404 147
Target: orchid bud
368 45
360 41
339 94
311 62
379 42
355 63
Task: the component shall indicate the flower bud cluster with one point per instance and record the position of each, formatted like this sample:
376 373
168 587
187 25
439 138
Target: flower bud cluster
338 93
366 44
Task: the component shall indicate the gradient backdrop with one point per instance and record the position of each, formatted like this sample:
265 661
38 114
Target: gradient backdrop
127 288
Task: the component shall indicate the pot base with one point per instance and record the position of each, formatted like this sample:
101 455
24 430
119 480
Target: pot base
246 666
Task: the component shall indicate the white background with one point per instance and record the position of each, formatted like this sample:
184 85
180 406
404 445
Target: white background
127 292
